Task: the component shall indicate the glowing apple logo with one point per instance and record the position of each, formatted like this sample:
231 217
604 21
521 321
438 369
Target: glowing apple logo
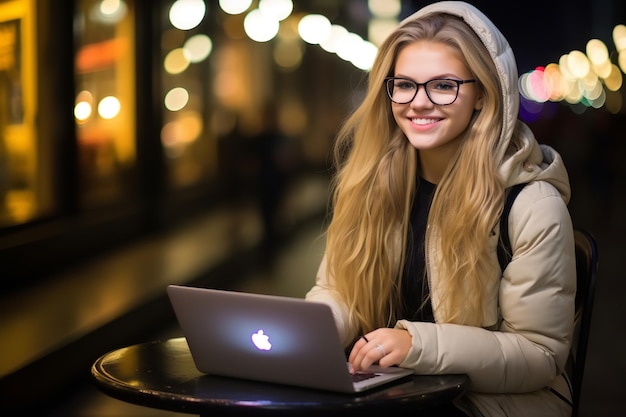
261 340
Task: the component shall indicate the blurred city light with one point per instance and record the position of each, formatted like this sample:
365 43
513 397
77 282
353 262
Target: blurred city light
187 14
235 6
176 61
579 78
261 26
197 48
109 11
176 99
109 107
83 107
279 9
314 28
333 40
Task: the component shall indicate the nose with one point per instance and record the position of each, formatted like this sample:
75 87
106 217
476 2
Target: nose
421 98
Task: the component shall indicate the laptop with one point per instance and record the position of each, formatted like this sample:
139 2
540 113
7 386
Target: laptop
269 338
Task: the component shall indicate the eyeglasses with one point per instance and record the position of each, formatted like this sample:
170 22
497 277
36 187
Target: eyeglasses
440 91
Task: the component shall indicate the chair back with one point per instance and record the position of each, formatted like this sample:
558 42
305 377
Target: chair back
586 267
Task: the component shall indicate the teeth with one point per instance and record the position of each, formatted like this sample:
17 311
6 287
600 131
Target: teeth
424 121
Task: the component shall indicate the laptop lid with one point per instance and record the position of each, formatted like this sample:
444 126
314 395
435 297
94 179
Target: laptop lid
268 338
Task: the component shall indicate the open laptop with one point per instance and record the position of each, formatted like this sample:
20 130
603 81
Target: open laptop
269 338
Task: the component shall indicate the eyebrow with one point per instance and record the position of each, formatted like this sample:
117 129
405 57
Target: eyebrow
438 77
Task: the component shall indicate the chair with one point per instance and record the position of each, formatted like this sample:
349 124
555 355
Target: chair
586 267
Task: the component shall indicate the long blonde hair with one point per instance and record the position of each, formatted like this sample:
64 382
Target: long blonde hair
374 187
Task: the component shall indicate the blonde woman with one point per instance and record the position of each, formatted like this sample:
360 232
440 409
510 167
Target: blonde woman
410 270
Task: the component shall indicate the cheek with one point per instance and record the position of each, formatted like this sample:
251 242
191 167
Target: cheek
462 121
397 112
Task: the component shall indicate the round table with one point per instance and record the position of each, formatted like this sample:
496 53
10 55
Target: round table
162 375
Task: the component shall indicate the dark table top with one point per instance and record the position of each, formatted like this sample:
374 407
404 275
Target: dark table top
162 375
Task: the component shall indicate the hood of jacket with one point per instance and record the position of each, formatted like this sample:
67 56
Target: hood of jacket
527 160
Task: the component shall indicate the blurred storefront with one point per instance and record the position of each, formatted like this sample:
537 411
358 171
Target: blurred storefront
119 118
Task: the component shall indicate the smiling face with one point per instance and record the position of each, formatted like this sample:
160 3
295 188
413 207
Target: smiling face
432 129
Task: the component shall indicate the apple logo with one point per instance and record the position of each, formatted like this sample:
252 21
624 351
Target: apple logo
261 340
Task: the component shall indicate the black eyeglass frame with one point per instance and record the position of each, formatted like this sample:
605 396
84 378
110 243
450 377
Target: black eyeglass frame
418 85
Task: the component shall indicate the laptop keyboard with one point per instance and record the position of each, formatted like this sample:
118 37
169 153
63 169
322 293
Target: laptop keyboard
362 376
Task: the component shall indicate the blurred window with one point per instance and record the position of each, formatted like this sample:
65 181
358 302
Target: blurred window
105 102
23 179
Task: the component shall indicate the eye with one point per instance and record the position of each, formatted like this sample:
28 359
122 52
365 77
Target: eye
404 85
443 85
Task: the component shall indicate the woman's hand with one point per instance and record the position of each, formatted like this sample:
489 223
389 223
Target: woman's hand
384 346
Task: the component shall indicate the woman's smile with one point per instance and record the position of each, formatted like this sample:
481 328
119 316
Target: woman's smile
424 121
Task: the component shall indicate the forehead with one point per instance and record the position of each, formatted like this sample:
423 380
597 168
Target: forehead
429 59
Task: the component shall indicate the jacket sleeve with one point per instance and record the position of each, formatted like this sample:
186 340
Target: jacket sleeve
530 346
322 293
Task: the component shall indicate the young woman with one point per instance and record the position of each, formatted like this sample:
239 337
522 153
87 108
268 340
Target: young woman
410 269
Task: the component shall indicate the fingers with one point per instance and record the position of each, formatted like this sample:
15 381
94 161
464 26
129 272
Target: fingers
367 352
382 350
385 347
358 349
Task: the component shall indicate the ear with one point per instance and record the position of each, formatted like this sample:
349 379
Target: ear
479 103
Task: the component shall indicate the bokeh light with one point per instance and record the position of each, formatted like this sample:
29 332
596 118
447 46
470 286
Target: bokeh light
197 48
279 9
187 14
314 28
176 99
83 107
582 79
109 107
176 61
235 6
260 26
333 40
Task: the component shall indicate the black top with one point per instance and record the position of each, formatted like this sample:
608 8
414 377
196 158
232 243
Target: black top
415 289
